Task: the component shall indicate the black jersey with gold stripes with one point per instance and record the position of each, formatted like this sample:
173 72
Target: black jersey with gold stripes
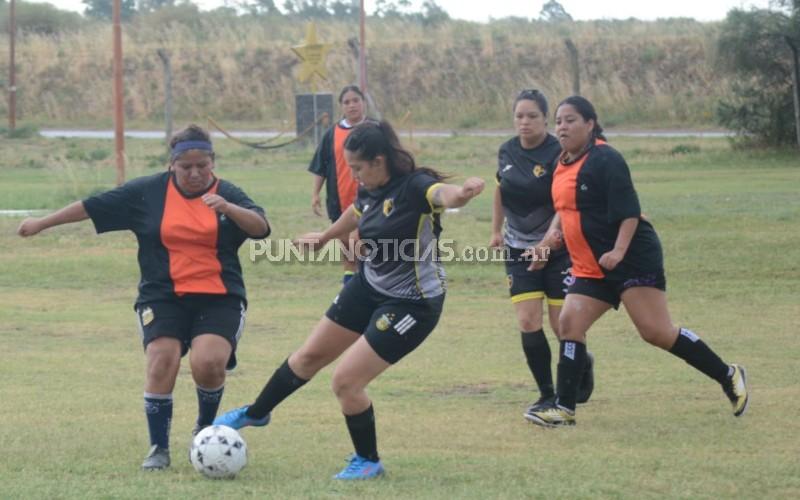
524 177
398 229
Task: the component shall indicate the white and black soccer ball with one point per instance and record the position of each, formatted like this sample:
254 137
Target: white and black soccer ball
218 452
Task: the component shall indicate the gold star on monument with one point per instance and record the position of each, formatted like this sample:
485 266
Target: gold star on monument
312 53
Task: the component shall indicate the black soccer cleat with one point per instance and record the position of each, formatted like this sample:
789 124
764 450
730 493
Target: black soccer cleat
540 404
156 459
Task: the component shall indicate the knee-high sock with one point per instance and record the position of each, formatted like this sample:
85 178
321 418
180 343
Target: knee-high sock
362 433
571 363
537 354
208 404
158 409
695 352
279 387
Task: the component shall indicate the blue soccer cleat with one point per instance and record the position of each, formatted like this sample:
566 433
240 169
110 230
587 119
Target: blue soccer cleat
236 419
360 468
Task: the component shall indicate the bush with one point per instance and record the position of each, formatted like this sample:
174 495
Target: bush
684 149
24 132
752 46
42 18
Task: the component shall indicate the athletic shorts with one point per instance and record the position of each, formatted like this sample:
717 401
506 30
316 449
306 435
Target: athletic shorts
392 327
551 281
188 316
610 291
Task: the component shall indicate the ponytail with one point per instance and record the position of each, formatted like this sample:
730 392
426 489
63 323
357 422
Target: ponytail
369 140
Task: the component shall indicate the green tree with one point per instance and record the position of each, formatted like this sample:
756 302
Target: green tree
102 9
389 8
41 18
554 12
343 9
314 9
259 7
760 48
433 14
152 5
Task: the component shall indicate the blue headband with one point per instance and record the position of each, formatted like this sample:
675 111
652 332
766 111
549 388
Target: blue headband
185 146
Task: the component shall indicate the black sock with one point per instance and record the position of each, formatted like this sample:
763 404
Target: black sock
279 387
208 404
694 351
362 433
537 353
158 409
571 363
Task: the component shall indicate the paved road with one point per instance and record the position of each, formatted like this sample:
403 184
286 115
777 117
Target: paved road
266 134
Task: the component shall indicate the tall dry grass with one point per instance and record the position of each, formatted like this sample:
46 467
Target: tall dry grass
456 75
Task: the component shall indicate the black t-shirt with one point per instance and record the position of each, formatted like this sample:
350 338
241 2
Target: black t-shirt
525 177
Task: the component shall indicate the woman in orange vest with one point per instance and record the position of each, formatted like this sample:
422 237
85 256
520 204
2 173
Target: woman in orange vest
616 257
521 214
330 168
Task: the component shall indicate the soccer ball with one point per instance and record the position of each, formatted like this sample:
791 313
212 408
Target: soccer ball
218 452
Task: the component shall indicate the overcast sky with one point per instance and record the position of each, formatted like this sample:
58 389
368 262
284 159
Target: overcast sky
482 10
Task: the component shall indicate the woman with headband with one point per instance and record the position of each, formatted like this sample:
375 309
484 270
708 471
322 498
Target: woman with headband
189 225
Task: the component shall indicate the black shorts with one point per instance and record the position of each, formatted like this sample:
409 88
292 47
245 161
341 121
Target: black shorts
186 317
610 291
551 281
393 327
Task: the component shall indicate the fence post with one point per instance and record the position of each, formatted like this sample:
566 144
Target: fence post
167 93
575 66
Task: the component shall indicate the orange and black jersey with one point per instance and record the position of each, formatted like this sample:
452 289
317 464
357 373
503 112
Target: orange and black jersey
185 247
524 177
329 162
592 196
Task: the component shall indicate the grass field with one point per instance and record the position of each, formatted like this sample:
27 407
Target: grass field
449 416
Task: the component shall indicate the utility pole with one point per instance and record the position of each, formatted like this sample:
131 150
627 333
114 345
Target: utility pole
119 125
362 56
12 78
793 45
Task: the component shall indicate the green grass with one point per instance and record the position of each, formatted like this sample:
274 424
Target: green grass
450 415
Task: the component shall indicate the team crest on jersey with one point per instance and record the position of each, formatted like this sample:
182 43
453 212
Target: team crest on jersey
388 206
384 322
147 316
538 171
510 279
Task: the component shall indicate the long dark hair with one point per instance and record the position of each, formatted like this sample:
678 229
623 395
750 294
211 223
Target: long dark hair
586 110
369 140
